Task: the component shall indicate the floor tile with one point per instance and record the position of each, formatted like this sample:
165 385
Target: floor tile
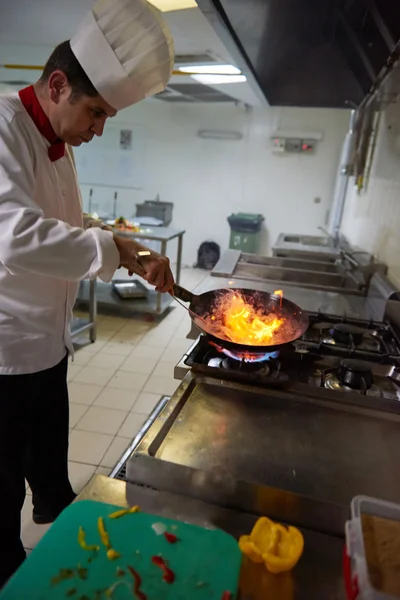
94 375
31 533
180 344
112 323
164 369
138 327
134 364
73 370
124 380
174 354
76 412
161 385
102 420
115 451
83 393
82 357
132 425
147 352
104 360
79 475
105 335
157 339
103 471
87 346
145 403
117 399
118 348
127 337
88 447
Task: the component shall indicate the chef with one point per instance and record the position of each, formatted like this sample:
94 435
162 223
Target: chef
122 53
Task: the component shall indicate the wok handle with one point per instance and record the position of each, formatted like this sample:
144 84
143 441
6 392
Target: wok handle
182 293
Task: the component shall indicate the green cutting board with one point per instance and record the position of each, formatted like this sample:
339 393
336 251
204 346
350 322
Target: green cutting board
206 562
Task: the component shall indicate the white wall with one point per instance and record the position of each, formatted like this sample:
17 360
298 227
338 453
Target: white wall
207 180
372 218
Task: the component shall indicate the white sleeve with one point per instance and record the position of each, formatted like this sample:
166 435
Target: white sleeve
31 243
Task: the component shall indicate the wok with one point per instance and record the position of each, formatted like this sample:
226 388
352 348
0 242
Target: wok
201 306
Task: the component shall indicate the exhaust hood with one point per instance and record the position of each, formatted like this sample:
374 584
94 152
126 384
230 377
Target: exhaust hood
309 52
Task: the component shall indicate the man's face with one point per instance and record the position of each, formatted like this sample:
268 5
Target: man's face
75 120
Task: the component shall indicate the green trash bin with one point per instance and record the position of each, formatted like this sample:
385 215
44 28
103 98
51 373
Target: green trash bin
245 232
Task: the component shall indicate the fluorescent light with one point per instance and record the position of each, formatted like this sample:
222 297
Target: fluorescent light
211 69
168 5
219 79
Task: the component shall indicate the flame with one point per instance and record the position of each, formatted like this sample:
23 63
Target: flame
237 320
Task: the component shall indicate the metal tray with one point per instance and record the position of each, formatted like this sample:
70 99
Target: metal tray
308 445
129 289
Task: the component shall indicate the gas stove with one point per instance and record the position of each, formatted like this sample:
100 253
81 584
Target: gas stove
339 354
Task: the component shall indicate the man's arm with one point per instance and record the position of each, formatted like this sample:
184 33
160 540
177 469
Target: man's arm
31 243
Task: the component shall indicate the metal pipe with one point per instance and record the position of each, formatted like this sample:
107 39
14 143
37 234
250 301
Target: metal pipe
346 165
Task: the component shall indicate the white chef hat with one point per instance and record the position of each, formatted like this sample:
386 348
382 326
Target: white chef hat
126 49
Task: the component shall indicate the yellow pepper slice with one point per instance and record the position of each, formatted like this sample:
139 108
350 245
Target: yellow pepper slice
124 511
112 554
82 541
278 547
105 539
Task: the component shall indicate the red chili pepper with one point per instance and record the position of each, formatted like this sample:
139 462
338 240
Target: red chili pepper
226 596
138 583
168 574
170 537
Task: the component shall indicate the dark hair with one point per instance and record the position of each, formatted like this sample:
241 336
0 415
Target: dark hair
62 58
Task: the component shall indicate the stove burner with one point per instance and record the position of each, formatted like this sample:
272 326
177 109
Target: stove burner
345 333
246 357
355 374
232 364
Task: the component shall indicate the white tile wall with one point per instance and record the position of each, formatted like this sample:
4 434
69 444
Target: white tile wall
372 218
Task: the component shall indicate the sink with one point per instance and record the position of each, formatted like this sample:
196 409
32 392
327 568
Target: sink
307 240
292 263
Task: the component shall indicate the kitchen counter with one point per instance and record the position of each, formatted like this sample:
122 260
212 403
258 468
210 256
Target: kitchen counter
157 234
317 576
309 300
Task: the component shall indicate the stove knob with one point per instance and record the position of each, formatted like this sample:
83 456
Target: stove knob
355 374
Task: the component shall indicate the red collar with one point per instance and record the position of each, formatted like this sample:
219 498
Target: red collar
38 116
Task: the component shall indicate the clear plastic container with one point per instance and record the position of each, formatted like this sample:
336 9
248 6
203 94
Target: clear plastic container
358 584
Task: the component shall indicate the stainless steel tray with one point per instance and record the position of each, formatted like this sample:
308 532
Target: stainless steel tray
129 289
307 445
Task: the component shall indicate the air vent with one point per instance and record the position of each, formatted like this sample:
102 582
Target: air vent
194 59
200 93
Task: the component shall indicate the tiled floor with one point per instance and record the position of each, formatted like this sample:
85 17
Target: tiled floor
114 384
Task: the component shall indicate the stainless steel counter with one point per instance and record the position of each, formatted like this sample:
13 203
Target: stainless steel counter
318 576
309 300
289 244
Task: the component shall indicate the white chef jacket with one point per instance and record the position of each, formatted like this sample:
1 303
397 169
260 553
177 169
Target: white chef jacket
45 249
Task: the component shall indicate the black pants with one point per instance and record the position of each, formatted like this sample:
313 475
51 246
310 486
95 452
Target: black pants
34 418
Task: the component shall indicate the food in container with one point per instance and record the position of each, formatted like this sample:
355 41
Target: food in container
372 558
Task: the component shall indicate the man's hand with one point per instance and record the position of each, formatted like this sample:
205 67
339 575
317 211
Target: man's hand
153 267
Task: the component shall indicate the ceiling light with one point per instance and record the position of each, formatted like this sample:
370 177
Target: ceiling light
168 5
211 69
219 79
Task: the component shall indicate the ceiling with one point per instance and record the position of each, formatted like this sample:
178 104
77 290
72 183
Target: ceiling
29 30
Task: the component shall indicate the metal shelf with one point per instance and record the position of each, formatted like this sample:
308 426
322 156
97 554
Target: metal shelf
109 301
